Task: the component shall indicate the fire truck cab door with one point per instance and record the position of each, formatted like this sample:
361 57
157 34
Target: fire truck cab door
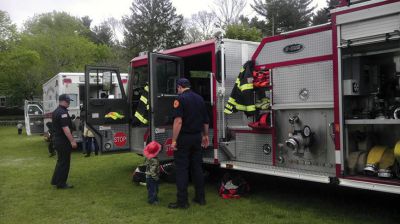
106 108
164 70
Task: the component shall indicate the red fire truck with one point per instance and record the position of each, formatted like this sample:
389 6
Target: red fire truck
333 100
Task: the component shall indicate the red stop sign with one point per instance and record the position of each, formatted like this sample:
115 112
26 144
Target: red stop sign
120 139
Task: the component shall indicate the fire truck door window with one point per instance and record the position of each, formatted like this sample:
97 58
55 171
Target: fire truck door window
167 74
140 77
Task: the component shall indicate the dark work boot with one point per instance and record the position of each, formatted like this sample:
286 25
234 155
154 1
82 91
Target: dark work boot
199 201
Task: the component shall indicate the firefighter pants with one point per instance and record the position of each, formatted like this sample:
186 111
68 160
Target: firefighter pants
61 170
189 154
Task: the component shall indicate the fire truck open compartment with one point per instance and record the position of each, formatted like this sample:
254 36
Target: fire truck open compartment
371 106
197 69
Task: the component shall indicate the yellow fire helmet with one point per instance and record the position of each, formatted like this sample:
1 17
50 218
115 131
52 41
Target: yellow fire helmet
386 163
374 156
397 151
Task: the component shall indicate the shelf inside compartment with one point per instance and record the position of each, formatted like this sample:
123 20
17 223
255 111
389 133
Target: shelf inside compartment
389 181
372 121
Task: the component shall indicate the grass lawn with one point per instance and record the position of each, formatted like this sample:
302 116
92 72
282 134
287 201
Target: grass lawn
104 193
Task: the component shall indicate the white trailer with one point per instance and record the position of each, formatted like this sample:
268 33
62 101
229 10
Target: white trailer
73 84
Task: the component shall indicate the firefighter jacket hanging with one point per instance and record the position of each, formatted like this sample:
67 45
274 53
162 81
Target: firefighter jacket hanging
142 111
242 96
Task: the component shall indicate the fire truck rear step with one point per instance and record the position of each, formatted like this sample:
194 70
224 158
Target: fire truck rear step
276 171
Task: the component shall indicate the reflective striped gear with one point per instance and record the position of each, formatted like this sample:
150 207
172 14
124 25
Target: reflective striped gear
397 151
114 115
263 104
142 111
242 96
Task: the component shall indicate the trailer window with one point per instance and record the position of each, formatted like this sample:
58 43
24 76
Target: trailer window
34 110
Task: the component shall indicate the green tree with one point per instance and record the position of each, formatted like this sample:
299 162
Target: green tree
8 31
254 22
55 22
86 21
62 43
104 34
50 43
20 75
243 32
59 52
322 16
284 15
153 25
8 40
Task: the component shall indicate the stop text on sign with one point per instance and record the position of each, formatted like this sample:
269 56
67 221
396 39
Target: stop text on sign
120 139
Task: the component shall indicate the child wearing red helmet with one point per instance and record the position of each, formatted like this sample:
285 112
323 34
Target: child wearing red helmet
152 170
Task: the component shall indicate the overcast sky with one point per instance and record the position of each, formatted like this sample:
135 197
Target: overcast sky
99 10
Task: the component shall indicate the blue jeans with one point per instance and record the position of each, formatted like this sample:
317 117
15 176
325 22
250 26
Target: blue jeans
152 189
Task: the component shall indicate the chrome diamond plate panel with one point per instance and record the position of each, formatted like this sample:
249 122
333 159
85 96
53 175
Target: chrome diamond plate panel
249 148
316 78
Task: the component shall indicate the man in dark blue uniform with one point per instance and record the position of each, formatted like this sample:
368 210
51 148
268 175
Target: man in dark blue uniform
64 142
190 133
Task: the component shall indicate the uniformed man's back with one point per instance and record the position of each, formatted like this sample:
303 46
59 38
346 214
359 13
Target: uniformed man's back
194 113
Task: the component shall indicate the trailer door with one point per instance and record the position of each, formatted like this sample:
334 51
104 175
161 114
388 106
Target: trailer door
164 70
106 108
